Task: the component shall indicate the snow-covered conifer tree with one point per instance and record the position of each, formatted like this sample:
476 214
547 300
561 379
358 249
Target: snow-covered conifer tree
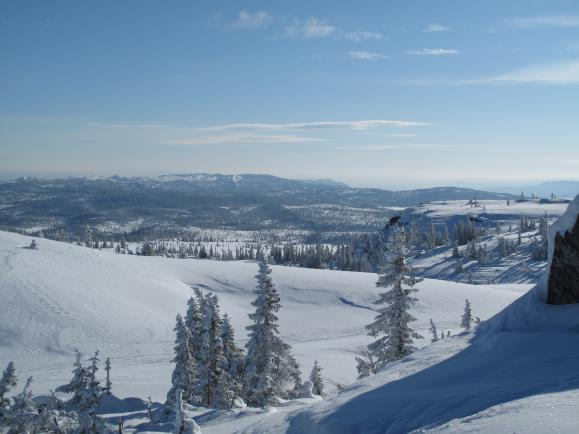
195 325
89 422
317 380
466 318
233 356
7 382
185 370
108 383
265 350
433 331
22 416
393 321
217 392
77 384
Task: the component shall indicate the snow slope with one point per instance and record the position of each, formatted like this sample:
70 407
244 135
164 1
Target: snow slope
493 210
63 296
516 373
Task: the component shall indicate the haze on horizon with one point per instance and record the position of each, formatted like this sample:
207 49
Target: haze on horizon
394 94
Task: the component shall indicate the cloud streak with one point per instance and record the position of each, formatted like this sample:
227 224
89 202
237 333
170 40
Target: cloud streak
433 52
241 138
104 125
391 147
436 28
327 125
362 36
561 73
545 21
365 55
309 29
316 28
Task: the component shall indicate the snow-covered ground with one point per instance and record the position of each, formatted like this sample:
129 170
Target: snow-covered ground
63 296
517 372
492 209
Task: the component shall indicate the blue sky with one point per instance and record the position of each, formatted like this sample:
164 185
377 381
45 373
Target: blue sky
383 93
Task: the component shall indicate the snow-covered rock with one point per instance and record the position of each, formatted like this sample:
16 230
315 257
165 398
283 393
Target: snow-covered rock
563 280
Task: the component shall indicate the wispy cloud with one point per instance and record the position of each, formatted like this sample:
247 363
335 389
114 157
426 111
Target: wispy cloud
328 125
241 138
313 28
391 147
365 55
544 21
252 20
362 36
560 73
104 125
434 28
310 28
433 52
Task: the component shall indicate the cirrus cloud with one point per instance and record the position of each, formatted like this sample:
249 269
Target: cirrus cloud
560 73
324 125
544 21
241 138
365 55
433 52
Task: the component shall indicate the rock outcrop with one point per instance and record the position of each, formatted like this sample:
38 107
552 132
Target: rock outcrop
563 283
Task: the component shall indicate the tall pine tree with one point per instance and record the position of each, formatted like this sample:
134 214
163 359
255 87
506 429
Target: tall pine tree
392 324
267 355
185 370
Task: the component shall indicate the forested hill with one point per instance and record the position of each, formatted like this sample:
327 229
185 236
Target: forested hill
202 200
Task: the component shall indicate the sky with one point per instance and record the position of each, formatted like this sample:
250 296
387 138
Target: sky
380 93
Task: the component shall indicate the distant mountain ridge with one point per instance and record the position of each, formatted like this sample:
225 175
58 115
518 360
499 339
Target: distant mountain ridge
246 201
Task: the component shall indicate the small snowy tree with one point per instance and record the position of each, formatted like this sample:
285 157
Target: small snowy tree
317 380
89 422
7 383
366 362
466 318
108 383
185 370
22 417
183 425
392 323
77 384
433 332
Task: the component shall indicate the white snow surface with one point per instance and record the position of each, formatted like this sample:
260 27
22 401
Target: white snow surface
516 373
63 296
493 209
